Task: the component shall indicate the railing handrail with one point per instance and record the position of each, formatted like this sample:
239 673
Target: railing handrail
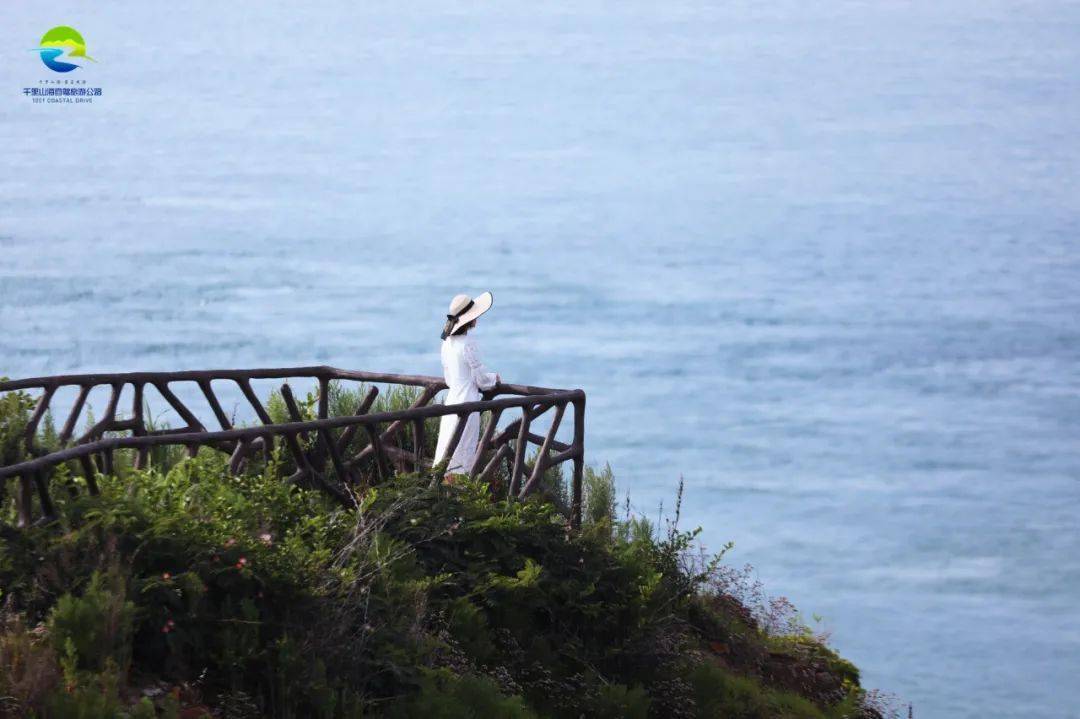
317 371
285 428
507 446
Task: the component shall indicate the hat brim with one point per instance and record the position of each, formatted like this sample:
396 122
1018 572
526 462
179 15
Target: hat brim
481 304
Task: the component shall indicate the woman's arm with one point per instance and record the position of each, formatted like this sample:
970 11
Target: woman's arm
480 374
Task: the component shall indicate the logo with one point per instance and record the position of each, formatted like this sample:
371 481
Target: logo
63 42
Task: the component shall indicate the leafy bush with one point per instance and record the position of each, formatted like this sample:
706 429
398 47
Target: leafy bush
260 598
96 627
615 701
28 669
15 410
445 695
84 695
599 497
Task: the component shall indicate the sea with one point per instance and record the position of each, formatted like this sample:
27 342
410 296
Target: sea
817 261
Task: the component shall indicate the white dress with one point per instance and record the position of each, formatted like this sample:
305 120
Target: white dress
465 376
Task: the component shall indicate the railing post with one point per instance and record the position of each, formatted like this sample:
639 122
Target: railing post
303 462
24 502
349 432
579 462
324 397
73 416
142 455
519 451
542 457
455 439
418 445
260 411
89 473
42 406
485 440
47 508
382 467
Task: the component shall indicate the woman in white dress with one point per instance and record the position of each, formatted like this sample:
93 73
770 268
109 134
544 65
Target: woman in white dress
465 376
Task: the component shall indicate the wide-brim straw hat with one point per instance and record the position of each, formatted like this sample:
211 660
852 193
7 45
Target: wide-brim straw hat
465 309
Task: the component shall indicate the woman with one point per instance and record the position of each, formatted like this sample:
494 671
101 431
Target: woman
465 377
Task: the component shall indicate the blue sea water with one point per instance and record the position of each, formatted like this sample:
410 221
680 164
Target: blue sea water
819 259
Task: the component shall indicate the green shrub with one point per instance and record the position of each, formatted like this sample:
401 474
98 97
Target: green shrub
810 649
143 710
15 410
721 695
616 701
29 670
469 626
96 627
444 695
84 694
599 497
425 599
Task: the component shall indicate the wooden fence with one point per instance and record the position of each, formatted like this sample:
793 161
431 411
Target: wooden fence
315 446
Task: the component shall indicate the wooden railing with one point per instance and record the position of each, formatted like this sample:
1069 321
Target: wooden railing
315 446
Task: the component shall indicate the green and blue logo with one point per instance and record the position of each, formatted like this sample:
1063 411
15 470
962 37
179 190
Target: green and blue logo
63 42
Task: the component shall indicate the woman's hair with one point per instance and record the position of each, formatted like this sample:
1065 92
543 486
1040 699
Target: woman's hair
464 329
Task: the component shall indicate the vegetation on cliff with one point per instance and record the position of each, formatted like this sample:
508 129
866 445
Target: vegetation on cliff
183 591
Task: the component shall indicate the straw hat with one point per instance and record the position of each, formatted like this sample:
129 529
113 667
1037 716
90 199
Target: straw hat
464 309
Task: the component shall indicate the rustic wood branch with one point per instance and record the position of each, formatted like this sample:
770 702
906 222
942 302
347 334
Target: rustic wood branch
511 430
242 450
455 438
542 459
292 440
103 424
324 398
319 453
25 501
500 454
418 444
73 416
181 409
519 451
509 445
89 473
249 374
215 405
268 440
138 426
205 437
395 426
39 412
335 456
380 455
397 454
579 460
485 440
254 401
349 432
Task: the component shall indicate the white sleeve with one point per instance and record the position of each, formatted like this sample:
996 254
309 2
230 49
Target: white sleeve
483 378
